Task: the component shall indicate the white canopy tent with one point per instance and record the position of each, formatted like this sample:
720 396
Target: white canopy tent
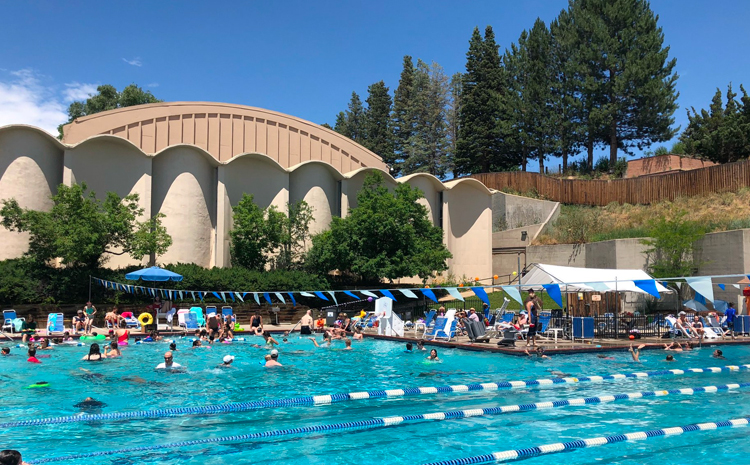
573 279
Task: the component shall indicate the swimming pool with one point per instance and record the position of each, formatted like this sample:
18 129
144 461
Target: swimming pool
130 385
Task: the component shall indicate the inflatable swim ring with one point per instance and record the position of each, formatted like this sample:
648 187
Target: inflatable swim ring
145 319
98 337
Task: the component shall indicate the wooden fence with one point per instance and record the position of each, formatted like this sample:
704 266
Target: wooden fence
729 177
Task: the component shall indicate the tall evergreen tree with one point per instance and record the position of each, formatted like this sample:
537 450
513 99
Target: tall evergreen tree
341 126
377 124
402 124
482 127
351 123
721 134
454 109
623 62
428 145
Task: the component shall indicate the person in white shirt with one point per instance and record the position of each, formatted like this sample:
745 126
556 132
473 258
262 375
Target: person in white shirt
169 363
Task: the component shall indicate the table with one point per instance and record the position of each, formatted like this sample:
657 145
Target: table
556 330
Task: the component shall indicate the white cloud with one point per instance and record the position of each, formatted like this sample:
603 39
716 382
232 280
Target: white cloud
78 91
153 84
24 100
134 62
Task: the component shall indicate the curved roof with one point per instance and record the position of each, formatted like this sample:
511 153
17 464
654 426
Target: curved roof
225 131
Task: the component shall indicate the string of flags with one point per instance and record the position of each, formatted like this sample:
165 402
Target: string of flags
701 285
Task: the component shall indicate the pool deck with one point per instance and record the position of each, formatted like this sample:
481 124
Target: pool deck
561 347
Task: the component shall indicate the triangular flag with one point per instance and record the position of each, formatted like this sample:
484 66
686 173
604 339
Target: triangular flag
202 295
482 294
554 292
181 295
291 296
599 287
700 298
320 295
242 299
429 294
255 296
513 293
722 287
351 294
231 294
454 293
280 297
702 285
408 293
737 286
370 294
193 294
333 296
387 293
648 285
306 294
267 297
217 295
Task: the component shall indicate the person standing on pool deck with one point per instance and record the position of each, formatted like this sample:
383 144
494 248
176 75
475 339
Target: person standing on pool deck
89 310
533 313
306 323
730 313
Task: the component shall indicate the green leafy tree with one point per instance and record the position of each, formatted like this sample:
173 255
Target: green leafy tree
625 73
255 235
388 235
428 143
721 134
401 118
482 119
81 230
107 98
671 246
377 123
293 236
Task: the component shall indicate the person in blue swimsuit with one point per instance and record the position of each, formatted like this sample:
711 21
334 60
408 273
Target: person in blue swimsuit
533 314
730 314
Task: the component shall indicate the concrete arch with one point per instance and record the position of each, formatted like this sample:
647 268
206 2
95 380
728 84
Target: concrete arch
468 229
318 184
31 164
354 182
468 182
225 131
184 189
432 189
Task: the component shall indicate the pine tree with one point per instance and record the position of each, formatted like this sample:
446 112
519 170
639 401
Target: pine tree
341 126
377 124
355 116
401 123
482 128
452 115
623 61
428 144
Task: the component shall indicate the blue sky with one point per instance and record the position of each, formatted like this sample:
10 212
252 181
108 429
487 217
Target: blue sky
301 58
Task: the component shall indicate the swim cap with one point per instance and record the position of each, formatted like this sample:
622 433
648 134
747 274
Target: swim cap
228 358
274 352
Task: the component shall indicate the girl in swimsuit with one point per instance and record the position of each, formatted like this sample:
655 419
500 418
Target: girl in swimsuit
122 337
94 354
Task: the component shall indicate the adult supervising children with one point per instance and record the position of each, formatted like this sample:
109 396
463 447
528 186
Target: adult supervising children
730 314
532 310
306 323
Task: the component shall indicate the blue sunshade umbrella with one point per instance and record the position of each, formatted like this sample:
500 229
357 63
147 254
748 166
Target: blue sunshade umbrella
153 274
695 305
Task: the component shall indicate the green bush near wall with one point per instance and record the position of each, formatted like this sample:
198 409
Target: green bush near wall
25 282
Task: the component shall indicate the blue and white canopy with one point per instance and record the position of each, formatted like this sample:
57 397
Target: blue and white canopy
153 274
572 279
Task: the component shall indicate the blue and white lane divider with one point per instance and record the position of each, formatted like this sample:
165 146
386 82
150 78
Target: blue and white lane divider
373 423
529 452
351 396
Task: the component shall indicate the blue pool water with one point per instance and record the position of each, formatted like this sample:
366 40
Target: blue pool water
131 384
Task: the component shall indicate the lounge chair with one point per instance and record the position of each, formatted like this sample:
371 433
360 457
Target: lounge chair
544 321
55 323
228 311
130 320
9 316
445 329
426 323
476 330
187 319
711 332
712 321
674 331
199 318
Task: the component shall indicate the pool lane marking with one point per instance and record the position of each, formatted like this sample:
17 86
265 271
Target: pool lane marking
344 397
529 452
384 422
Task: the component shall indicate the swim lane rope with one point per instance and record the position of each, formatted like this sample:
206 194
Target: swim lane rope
529 452
352 396
373 423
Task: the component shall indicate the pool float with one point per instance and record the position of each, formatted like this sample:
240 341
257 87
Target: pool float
40 384
98 337
145 319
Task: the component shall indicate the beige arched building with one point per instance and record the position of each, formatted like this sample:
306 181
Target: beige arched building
193 161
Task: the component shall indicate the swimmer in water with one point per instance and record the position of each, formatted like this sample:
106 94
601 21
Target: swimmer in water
636 353
112 350
539 352
718 354
90 403
670 358
420 345
433 356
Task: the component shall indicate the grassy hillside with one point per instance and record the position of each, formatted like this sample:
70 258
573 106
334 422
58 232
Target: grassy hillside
578 224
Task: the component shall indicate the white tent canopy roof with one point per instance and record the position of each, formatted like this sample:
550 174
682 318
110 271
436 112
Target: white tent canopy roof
573 279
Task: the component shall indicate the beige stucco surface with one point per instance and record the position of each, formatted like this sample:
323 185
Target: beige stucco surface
197 192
